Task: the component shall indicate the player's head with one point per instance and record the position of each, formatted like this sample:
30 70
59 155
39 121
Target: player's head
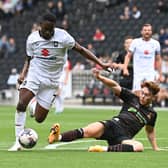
146 31
47 24
127 42
149 90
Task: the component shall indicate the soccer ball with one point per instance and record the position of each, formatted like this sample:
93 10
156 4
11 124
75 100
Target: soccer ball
28 138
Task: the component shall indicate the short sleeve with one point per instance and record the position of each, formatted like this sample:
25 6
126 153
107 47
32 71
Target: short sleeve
132 46
69 41
158 48
152 122
29 48
126 95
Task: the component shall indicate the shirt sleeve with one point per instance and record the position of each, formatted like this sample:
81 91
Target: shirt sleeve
29 49
158 48
127 96
152 122
132 46
69 41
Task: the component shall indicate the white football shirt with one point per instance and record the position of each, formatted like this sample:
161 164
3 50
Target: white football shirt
49 56
144 53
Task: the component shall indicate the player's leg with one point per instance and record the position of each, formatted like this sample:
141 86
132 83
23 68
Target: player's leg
45 98
40 113
137 146
93 130
126 146
59 101
117 139
137 82
58 104
25 96
32 106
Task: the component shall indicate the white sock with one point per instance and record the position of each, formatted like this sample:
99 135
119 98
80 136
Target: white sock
20 119
105 148
60 137
32 105
59 104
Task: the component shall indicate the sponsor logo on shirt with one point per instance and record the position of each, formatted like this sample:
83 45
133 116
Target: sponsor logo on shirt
146 52
45 52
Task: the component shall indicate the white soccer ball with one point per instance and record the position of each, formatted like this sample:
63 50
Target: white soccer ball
28 138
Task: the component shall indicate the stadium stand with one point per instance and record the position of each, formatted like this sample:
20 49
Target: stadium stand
83 16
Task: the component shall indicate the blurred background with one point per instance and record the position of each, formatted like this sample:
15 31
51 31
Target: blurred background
99 25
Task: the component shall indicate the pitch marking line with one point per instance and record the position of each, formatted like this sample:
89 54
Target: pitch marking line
54 146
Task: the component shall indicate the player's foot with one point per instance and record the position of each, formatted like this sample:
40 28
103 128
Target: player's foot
96 148
15 147
54 133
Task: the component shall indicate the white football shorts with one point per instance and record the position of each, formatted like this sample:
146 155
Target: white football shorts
44 89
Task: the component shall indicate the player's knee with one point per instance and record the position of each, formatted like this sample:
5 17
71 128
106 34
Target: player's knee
21 106
39 119
138 147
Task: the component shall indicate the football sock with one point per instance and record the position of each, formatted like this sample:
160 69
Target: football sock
120 148
32 104
72 135
20 118
59 104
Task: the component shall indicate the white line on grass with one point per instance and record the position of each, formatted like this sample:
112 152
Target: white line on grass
54 146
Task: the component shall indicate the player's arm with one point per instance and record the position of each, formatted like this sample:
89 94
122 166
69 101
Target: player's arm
159 66
89 55
150 131
117 65
24 70
127 59
116 88
67 71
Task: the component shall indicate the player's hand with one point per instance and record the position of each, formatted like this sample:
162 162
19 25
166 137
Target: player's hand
161 78
107 67
20 79
96 72
159 149
125 72
114 65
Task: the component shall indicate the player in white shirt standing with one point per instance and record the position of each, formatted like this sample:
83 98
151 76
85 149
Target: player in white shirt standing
145 52
46 55
63 89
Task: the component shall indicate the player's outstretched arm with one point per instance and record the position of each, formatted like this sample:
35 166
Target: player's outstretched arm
126 62
89 55
116 88
150 131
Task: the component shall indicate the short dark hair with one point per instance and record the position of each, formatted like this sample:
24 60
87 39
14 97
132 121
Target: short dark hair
146 25
152 86
47 17
128 37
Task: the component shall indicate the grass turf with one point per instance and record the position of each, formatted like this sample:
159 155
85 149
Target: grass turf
75 155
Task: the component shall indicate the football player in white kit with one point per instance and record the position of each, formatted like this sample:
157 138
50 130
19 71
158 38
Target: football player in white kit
46 55
63 89
144 51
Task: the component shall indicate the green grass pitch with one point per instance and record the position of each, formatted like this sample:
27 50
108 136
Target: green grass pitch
75 155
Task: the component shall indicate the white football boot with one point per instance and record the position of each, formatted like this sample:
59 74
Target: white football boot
15 147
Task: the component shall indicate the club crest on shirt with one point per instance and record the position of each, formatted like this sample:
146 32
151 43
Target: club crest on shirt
55 43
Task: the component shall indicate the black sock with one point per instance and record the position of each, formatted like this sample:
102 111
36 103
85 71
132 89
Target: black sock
72 135
121 148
